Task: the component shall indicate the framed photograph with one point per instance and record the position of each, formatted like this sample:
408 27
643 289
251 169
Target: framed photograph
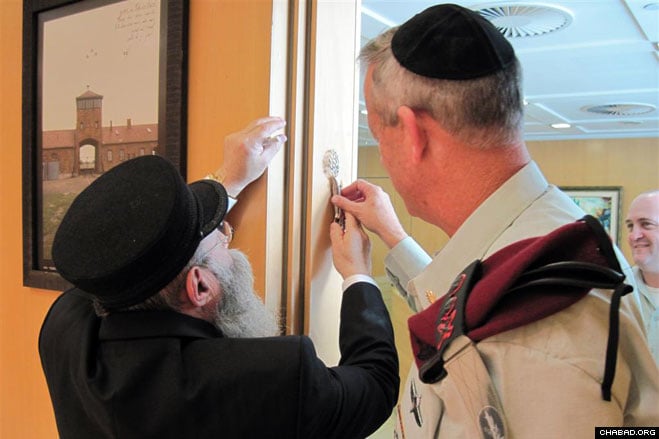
601 202
103 81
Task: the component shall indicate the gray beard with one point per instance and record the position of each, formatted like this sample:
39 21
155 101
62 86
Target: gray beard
240 313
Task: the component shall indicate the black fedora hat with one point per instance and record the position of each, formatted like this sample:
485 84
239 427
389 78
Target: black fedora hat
131 231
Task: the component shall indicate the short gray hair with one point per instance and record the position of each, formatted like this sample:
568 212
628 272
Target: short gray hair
482 112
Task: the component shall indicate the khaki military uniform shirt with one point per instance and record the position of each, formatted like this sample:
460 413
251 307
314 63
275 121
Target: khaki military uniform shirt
547 374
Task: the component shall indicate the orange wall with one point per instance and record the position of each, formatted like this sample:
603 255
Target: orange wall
228 76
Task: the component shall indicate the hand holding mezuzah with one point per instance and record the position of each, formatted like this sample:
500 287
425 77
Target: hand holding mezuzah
331 170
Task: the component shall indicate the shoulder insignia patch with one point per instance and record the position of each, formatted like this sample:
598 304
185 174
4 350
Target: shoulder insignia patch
491 423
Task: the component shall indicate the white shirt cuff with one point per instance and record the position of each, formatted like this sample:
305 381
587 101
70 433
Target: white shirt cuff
351 280
231 202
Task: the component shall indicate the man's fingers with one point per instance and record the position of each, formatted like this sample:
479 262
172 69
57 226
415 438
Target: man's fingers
273 142
359 190
271 148
350 189
336 233
267 127
364 186
350 222
345 204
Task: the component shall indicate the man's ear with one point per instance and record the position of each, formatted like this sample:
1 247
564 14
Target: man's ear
198 287
413 131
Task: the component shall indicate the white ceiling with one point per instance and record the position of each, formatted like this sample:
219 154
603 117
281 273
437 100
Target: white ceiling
608 55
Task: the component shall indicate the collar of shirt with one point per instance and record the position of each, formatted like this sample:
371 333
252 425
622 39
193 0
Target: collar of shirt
649 293
474 239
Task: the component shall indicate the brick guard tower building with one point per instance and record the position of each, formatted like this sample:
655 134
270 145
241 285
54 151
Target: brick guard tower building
91 148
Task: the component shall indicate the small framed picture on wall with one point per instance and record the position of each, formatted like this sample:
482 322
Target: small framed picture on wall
602 202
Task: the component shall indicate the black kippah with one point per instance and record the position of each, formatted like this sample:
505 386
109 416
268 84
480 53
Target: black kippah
451 42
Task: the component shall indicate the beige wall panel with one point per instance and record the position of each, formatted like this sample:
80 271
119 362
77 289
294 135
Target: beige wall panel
333 127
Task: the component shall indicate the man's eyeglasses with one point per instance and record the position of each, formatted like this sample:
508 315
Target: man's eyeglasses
226 232
225 237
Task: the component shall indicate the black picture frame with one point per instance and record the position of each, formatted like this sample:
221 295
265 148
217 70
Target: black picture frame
172 45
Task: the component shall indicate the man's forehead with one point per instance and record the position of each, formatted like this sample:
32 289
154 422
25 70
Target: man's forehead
645 207
210 240
648 202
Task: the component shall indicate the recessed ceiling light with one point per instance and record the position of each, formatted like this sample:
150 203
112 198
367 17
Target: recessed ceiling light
560 126
517 20
654 6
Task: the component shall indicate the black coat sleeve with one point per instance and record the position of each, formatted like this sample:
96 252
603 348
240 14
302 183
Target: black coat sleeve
354 398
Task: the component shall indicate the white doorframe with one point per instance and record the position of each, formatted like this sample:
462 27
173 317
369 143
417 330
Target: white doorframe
321 82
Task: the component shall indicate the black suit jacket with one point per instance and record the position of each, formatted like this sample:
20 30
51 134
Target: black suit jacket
156 374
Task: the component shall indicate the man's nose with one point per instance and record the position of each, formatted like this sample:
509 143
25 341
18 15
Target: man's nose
635 233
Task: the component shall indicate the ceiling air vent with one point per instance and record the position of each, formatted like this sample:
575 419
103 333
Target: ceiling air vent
620 109
519 20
